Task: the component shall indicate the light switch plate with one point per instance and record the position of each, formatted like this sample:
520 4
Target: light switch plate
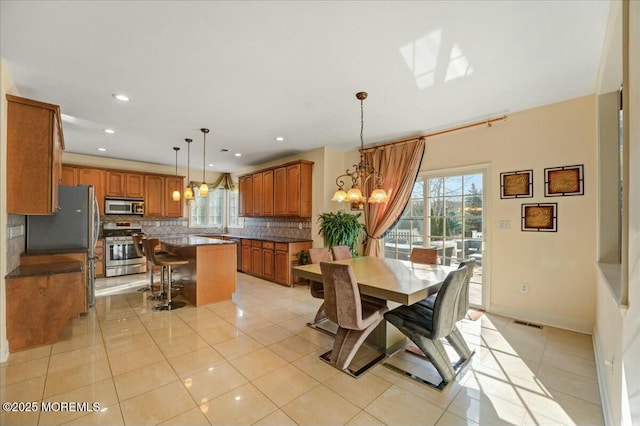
504 225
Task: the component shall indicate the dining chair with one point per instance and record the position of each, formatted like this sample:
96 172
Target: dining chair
427 256
426 327
317 255
355 319
341 252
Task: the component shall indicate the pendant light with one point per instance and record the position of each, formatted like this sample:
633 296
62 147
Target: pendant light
176 193
204 189
188 192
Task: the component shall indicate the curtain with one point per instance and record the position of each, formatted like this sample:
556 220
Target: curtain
224 181
399 164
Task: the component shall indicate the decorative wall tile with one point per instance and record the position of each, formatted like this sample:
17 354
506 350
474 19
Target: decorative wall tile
253 226
16 245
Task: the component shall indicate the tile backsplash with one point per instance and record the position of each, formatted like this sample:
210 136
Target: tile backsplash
16 239
253 226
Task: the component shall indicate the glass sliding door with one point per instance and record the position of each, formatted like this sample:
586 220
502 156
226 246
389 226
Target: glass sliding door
445 212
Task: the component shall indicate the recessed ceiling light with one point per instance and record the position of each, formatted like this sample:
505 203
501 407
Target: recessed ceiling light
121 97
210 164
279 138
110 131
102 149
237 154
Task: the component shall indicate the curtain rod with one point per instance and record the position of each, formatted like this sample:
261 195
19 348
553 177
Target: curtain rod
488 123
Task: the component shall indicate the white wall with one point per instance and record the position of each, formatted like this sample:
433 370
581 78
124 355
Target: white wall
559 266
617 329
6 86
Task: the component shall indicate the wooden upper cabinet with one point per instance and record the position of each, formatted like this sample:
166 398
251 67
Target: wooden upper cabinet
267 193
69 175
134 185
257 194
298 194
279 191
154 196
34 156
172 208
123 184
241 195
115 184
247 196
95 177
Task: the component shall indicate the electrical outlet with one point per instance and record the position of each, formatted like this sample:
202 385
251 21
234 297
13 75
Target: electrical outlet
524 288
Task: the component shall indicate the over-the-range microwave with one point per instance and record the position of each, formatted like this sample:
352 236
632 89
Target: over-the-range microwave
124 206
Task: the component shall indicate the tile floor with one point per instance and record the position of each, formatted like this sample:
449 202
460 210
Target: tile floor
253 361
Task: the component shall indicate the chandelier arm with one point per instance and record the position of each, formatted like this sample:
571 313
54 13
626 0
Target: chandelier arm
340 182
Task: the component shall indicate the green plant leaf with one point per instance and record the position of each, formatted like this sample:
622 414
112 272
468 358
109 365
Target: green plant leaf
340 229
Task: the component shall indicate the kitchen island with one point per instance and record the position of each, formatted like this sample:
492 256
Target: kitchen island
210 275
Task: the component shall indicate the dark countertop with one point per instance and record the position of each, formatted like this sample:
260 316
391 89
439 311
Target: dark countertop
266 238
45 269
191 241
55 251
233 236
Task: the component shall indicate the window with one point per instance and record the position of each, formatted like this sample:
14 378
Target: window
218 209
444 212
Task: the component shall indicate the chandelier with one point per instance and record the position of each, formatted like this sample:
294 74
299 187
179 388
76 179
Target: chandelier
361 174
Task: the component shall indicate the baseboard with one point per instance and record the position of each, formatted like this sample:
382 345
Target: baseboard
543 319
602 372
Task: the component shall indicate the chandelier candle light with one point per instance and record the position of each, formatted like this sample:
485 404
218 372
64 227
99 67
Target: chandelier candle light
188 192
204 189
361 174
176 193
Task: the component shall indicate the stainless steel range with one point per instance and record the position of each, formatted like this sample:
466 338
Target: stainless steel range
120 254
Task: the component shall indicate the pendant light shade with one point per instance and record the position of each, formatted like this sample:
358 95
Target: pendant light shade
188 192
176 193
204 189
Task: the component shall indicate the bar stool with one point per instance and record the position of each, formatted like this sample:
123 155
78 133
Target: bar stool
139 248
165 261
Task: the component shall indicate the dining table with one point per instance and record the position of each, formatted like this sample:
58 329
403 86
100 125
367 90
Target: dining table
390 282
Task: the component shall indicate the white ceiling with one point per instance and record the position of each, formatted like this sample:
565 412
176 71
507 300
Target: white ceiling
251 71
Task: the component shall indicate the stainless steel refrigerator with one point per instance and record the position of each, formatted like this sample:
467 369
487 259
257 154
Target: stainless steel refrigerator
74 228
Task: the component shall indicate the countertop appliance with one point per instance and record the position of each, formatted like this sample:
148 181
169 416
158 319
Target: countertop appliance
133 206
74 227
120 256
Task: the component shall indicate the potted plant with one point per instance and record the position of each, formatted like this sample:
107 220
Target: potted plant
340 229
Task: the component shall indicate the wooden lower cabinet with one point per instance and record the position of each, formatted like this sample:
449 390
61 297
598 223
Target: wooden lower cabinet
268 272
256 258
99 259
281 266
246 256
41 300
271 260
45 258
